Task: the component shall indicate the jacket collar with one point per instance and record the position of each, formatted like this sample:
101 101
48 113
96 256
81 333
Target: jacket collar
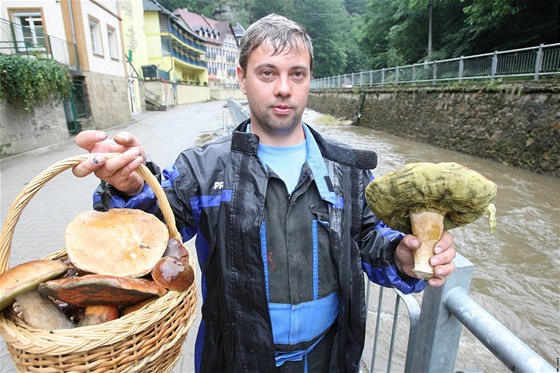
245 142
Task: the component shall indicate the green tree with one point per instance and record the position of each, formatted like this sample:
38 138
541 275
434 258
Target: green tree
380 17
355 6
397 32
326 22
506 24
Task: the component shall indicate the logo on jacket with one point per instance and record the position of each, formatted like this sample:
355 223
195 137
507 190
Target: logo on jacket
219 185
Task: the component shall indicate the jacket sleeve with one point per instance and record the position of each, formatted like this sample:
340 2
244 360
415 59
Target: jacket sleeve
107 197
378 243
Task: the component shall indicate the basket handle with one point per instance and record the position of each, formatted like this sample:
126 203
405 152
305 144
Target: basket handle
37 183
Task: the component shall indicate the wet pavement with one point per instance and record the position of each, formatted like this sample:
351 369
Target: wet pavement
40 229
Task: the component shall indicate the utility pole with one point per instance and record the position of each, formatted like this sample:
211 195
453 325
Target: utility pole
430 6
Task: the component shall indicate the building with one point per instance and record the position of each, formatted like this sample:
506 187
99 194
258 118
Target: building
238 31
221 45
166 53
85 35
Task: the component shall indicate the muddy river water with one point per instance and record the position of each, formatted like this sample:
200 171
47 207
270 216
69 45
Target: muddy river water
516 268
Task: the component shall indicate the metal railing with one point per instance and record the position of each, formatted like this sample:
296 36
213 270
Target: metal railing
240 112
533 62
22 40
435 329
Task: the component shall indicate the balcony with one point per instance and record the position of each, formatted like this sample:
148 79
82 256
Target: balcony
187 39
17 39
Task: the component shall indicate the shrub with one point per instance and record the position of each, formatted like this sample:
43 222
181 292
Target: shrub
29 82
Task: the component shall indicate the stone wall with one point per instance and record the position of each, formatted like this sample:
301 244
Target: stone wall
107 97
516 124
26 130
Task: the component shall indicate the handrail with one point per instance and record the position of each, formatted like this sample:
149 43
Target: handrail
46 46
505 345
536 62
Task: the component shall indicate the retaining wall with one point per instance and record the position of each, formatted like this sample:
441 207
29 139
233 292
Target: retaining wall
515 124
23 130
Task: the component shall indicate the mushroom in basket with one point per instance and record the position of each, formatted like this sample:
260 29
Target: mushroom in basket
119 242
20 283
101 295
173 271
426 198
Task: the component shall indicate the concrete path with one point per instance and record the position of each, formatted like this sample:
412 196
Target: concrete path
40 229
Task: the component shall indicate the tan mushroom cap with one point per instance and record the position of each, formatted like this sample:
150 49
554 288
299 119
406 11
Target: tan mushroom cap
455 191
94 290
119 242
26 277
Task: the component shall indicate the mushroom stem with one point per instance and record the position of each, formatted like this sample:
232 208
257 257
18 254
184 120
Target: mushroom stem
95 315
41 313
427 226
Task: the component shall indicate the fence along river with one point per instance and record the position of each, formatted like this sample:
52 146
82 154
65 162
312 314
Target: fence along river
516 269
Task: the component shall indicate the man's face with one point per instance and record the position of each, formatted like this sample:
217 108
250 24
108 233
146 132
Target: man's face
277 88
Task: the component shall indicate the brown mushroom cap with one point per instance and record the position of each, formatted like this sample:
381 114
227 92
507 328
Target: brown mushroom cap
455 191
176 249
119 242
26 277
94 290
173 273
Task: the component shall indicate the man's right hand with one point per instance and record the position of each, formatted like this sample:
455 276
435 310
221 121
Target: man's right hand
118 171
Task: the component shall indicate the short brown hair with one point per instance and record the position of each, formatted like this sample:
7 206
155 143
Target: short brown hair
280 32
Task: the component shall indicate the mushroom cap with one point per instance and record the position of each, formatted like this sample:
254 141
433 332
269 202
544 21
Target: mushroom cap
94 290
176 249
119 242
26 277
455 191
173 273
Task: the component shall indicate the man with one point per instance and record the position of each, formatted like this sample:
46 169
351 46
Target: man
283 231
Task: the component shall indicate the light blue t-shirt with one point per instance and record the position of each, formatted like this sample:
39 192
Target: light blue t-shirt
285 161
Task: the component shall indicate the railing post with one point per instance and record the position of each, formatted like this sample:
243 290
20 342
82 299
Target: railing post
461 69
370 78
437 339
382 77
397 75
494 65
538 62
434 73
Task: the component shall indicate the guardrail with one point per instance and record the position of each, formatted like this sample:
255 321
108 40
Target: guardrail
17 39
533 62
435 329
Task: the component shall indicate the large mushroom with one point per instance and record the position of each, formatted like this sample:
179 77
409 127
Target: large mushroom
20 283
119 242
101 295
426 198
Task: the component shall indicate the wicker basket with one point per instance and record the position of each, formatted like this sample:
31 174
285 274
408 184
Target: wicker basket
147 340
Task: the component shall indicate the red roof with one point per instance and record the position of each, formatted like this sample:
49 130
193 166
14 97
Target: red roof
198 21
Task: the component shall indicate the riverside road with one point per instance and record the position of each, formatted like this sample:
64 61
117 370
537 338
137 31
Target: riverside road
40 229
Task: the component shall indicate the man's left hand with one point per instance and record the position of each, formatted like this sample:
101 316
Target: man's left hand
442 261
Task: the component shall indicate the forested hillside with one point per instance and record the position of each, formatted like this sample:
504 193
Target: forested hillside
354 35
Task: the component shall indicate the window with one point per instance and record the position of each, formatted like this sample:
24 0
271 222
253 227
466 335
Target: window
113 46
95 33
29 30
